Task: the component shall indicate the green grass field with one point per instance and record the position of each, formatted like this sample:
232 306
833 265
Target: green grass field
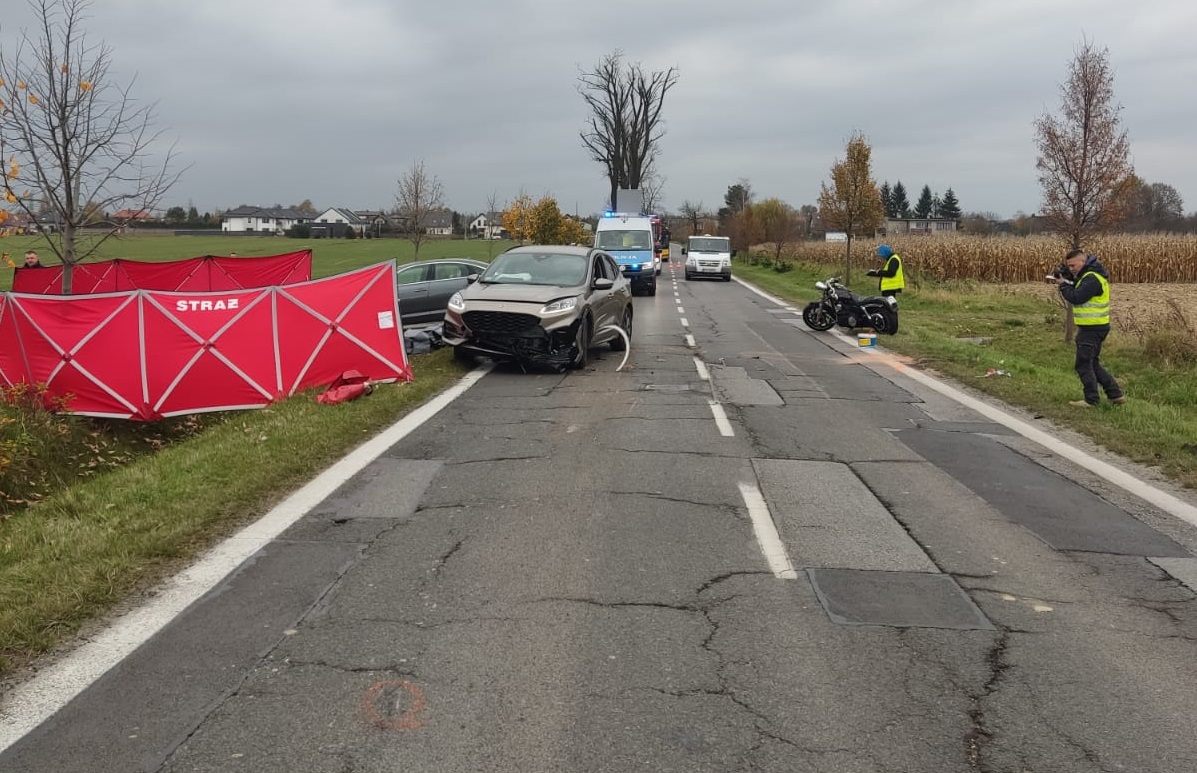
329 256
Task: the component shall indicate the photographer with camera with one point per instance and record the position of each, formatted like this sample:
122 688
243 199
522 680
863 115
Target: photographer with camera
1085 284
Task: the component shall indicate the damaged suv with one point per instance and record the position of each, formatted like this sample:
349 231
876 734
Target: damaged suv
542 305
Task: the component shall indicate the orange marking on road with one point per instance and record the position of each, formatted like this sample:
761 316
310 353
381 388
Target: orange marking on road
408 720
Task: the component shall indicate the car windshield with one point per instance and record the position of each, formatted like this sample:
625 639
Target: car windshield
700 244
536 268
625 239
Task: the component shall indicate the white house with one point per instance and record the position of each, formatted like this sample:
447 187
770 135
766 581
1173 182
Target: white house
438 222
249 219
338 220
489 225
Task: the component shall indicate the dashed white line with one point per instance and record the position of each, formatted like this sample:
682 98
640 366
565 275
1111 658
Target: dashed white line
690 341
725 427
701 367
685 322
766 533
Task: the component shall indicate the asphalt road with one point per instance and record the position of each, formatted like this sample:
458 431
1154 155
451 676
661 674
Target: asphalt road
754 548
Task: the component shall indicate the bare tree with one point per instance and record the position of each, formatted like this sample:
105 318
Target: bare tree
652 187
692 212
624 128
420 193
852 204
1084 155
80 145
492 208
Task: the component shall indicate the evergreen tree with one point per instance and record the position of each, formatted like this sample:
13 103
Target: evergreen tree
923 208
898 201
887 200
949 208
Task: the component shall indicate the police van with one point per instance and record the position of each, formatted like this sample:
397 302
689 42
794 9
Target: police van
631 240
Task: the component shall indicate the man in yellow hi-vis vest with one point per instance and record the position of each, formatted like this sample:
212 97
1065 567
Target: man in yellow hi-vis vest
1089 293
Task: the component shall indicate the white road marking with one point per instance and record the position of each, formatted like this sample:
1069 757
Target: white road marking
680 310
766 533
1133 485
690 341
701 367
31 703
725 427
685 322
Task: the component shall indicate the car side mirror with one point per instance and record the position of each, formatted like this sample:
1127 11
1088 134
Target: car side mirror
472 278
683 250
603 283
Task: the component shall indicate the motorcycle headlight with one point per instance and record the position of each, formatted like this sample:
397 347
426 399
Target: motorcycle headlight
560 305
457 303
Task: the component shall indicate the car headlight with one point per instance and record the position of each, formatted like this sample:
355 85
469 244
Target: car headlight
646 265
560 305
457 303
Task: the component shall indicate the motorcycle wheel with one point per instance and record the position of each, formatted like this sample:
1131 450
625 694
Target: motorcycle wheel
884 320
818 316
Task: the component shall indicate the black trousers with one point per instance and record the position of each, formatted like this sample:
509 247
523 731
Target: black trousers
1094 378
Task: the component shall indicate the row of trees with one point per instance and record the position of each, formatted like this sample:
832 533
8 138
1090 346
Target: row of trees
896 205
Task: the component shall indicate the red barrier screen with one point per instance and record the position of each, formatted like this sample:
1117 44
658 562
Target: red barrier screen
145 354
202 274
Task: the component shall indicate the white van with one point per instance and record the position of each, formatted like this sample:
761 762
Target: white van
630 240
708 255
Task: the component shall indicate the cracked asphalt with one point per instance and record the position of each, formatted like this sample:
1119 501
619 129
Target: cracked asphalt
558 572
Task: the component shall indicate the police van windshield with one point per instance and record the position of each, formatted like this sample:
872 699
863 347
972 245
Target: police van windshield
625 239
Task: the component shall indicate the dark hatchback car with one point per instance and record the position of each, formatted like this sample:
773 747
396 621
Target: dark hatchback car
426 286
542 305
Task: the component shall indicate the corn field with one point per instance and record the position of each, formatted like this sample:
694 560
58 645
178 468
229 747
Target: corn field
1130 259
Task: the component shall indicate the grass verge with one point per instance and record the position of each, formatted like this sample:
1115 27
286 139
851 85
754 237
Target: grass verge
79 552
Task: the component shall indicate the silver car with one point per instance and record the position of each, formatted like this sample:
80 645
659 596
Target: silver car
542 305
426 286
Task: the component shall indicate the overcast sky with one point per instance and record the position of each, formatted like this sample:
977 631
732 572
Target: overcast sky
274 102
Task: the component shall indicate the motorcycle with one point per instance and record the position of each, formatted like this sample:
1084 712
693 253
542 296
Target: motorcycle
840 306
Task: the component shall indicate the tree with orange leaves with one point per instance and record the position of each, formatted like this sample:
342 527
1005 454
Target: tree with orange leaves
1084 154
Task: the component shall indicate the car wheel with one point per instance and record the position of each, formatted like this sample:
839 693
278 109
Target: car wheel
688 276
652 288
618 343
581 345
727 277
462 356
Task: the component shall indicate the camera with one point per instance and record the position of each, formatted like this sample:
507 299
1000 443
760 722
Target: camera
1062 272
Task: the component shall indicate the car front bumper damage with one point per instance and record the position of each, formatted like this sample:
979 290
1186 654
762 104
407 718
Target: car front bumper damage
506 337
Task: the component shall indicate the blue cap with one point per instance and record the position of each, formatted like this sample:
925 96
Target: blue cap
884 251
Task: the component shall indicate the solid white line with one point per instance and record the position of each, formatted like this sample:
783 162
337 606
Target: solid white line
1141 489
725 427
701 367
690 341
766 533
30 704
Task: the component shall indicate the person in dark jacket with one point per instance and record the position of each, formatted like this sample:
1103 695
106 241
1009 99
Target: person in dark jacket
1089 294
892 278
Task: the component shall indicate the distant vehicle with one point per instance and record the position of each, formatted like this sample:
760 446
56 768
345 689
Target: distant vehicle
708 255
542 305
426 286
632 239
